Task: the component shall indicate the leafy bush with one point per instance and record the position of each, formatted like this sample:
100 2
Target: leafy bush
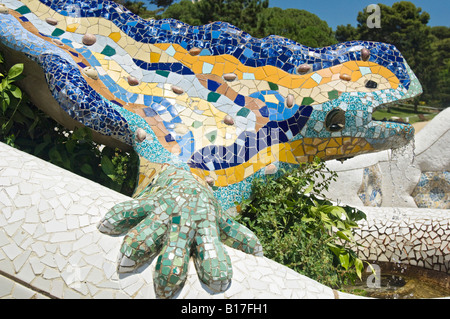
12 103
300 229
24 126
78 153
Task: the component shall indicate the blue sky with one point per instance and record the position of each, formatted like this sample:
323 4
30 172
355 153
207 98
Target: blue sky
337 12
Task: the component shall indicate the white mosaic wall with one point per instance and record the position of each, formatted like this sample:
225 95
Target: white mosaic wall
50 246
411 236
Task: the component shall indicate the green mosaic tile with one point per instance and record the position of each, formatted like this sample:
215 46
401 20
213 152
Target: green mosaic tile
57 32
163 73
333 94
243 112
307 101
211 136
176 220
108 51
273 86
23 10
213 97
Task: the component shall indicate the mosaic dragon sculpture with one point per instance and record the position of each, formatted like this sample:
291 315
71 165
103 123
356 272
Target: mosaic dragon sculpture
208 109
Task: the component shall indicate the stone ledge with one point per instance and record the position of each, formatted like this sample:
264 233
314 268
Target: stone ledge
49 241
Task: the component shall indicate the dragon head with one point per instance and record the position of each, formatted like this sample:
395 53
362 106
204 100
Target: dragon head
351 81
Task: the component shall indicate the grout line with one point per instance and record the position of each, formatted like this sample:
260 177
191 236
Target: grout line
27 285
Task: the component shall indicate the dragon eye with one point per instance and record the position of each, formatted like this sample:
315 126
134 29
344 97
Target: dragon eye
335 120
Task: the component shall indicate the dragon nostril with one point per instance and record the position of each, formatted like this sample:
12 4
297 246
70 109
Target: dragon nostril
371 84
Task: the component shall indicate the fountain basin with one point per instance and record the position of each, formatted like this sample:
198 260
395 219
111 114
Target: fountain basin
399 281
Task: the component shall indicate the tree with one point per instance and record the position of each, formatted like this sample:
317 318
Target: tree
162 3
240 13
346 33
185 11
298 25
440 91
405 26
398 23
255 18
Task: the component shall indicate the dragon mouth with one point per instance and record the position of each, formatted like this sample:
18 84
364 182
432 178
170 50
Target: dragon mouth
392 104
397 133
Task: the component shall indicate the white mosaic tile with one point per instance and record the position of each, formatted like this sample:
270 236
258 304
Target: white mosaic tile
67 256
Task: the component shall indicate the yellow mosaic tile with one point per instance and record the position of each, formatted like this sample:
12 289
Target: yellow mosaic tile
72 27
115 36
154 57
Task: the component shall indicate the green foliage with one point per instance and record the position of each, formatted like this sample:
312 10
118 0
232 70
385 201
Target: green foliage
161 3
255 18
11 98
240 13
16 110
300 229
298 25
186 12
402 24
439 87
76 152
25 127
346 33
425 49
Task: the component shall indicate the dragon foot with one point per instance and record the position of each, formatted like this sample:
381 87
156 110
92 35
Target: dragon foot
178 217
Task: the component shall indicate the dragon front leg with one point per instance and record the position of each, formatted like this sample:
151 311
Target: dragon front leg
178 217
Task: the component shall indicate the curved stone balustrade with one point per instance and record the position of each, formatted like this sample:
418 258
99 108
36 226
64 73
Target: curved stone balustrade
411 236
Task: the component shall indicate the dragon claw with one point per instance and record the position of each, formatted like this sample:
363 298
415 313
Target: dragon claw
125 264
178 217
105 226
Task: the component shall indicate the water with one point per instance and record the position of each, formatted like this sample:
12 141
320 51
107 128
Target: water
399 281
400 162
